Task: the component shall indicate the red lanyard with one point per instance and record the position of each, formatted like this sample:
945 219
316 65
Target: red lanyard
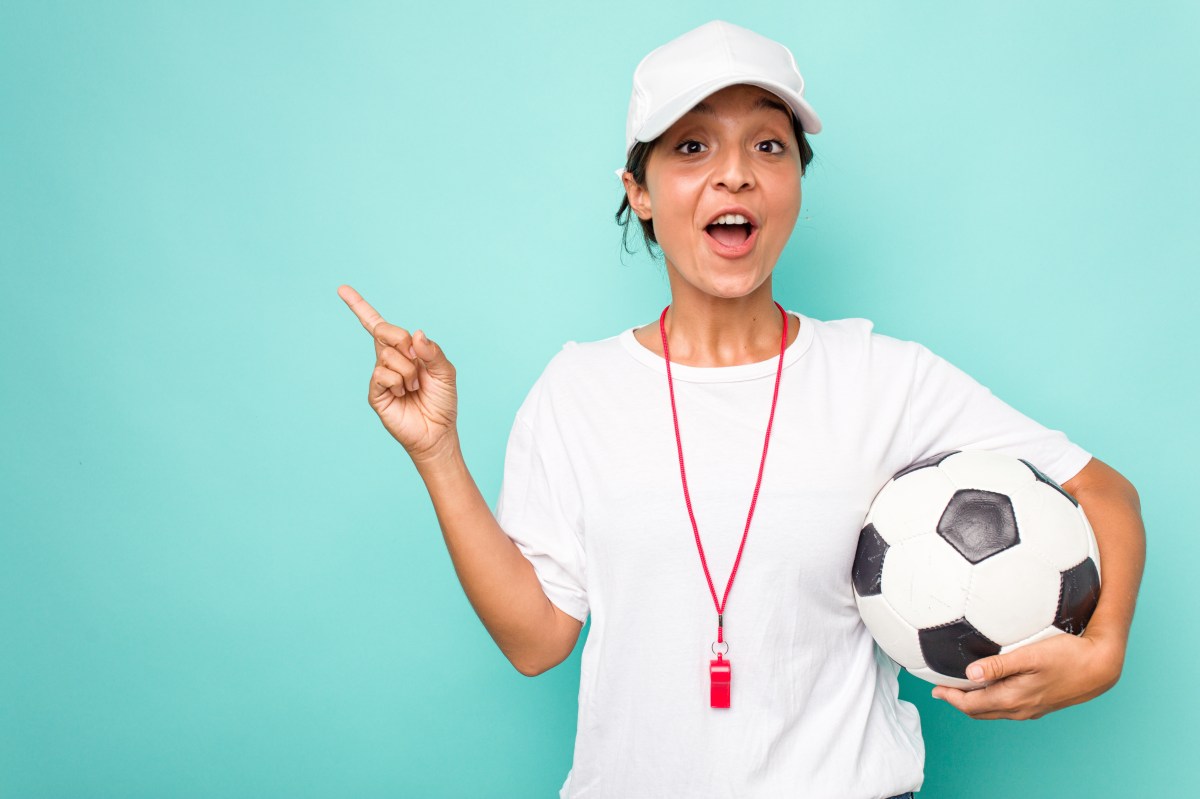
719 672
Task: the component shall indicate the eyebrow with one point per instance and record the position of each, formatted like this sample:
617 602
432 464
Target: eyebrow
762 102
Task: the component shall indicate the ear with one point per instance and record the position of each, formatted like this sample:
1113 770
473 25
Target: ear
639 198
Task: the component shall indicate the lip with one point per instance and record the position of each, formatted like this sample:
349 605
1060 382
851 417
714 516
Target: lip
735 209
732 252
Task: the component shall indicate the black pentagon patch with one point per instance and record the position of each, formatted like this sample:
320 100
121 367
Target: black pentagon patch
868 562
950 648
979 523
1039 475
932 460
1077 598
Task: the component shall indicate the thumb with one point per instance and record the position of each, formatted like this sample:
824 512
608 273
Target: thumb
431 354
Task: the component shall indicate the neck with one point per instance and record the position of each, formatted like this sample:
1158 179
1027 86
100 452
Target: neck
707 331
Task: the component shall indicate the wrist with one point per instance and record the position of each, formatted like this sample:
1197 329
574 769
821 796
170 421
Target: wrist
444 456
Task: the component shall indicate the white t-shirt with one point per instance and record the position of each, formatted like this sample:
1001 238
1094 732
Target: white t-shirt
592 495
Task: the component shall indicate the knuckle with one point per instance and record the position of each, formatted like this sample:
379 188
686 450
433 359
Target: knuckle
386 332
394 360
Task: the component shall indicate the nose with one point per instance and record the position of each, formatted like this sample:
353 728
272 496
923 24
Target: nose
732 169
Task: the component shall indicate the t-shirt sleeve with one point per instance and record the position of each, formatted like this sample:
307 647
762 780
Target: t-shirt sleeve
948 410
539 507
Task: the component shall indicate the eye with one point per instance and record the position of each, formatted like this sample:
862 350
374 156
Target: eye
782 146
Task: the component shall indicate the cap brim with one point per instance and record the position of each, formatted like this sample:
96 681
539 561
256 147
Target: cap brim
657 123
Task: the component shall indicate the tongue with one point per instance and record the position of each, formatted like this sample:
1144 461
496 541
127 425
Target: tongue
729 235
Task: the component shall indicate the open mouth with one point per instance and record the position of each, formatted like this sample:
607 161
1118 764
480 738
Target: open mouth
731 235
731 241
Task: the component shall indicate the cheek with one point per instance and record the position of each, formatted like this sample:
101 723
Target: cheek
789 205
673 221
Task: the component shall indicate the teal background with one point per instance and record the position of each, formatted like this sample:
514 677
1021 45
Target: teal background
220 576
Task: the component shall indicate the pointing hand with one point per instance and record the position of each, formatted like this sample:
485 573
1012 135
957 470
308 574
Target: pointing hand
413 387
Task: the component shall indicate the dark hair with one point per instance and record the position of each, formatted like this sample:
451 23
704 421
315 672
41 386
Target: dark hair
640 154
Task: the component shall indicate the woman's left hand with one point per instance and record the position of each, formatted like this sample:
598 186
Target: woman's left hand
1038 678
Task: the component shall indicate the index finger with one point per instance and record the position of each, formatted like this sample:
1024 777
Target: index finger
1001 696
369 317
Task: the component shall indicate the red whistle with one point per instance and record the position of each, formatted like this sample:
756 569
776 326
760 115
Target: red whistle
718 672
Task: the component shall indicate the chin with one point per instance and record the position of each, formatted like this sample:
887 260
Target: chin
733 286
722 277
731 281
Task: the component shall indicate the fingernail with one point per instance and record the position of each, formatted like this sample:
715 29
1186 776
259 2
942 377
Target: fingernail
975 673
416 384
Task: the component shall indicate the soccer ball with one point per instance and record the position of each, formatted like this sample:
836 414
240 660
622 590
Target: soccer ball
972 553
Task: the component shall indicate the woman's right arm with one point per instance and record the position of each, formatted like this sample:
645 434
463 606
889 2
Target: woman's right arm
413 389
499 582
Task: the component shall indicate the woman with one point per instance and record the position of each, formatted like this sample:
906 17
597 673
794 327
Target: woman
638 464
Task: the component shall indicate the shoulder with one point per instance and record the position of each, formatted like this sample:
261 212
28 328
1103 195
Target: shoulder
844 332
572 375
855 340
584 361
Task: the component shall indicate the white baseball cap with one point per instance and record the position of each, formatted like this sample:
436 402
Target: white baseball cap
675 76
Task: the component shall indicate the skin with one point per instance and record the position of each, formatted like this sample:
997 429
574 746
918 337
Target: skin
722 312
413 388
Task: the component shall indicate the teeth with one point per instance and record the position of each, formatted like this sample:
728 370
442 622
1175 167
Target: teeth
729 219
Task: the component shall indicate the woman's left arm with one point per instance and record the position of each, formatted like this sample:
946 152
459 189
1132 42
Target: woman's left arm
1064 670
